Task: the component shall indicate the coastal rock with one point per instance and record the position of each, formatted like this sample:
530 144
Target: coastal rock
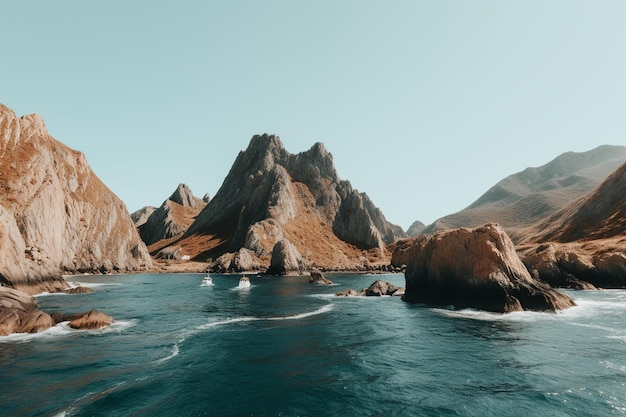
318 278
19 313
349 293
473 268
90 320
379 288
285 259
270 195
245 260
172 218
79 290
56 216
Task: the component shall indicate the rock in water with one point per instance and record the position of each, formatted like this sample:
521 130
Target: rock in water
472 268
56 216
90 320
318 278
379 288
19 313
285 259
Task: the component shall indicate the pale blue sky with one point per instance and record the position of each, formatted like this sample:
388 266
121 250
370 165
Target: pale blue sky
423 104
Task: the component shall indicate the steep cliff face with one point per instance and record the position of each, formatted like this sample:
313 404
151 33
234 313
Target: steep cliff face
173 217
270 195
475 268
585 242
56 216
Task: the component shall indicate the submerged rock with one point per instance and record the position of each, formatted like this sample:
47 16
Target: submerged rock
90 320
472 268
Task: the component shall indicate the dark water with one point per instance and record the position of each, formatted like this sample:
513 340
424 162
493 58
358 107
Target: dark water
285 347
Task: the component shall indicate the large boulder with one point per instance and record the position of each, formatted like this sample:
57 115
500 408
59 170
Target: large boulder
19 313
90 320
473 268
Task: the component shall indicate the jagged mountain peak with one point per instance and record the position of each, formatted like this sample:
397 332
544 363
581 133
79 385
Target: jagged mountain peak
183 196
270 194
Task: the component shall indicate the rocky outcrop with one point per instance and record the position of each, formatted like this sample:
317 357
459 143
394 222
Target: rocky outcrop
19 313
270 195
173 217
524 198
378 288
285 259
584 244
472 268
318 278
56 216
90 320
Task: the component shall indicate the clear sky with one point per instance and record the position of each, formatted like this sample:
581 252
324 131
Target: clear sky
423 104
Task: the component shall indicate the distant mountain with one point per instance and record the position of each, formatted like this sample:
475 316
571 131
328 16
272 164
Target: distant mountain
415 229
296 202
584 242
524 198
172 218
56 216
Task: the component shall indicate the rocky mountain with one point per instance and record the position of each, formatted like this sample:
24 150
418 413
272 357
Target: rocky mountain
415 229
296 203
56 216
140 217
524 198
172 218
583 243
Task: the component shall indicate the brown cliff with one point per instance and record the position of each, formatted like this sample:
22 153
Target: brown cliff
270 195
585 242
472 268
56 216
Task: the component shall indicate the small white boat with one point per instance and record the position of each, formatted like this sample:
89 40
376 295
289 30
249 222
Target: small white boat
244 282
207 280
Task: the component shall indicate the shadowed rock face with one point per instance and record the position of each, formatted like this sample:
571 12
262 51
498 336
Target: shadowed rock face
472 268
56 216
270 195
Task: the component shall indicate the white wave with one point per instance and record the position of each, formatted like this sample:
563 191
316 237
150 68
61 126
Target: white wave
526 316
63 329
175 352
45 294
94 284
321 310
614 366
227 321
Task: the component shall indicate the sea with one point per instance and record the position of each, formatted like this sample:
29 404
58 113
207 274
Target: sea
285 347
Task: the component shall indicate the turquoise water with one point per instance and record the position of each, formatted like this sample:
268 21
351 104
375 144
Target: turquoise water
285 347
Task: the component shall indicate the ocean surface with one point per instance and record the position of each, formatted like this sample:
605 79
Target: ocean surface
284 347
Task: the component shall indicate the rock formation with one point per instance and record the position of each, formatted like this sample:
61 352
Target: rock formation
285 259
173 217
378 288
19 313
56 216
90 320
522 199
584 244
272 196
472 268
318 278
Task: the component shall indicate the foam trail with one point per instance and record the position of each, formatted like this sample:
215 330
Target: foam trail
321 310
175 352
63 329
